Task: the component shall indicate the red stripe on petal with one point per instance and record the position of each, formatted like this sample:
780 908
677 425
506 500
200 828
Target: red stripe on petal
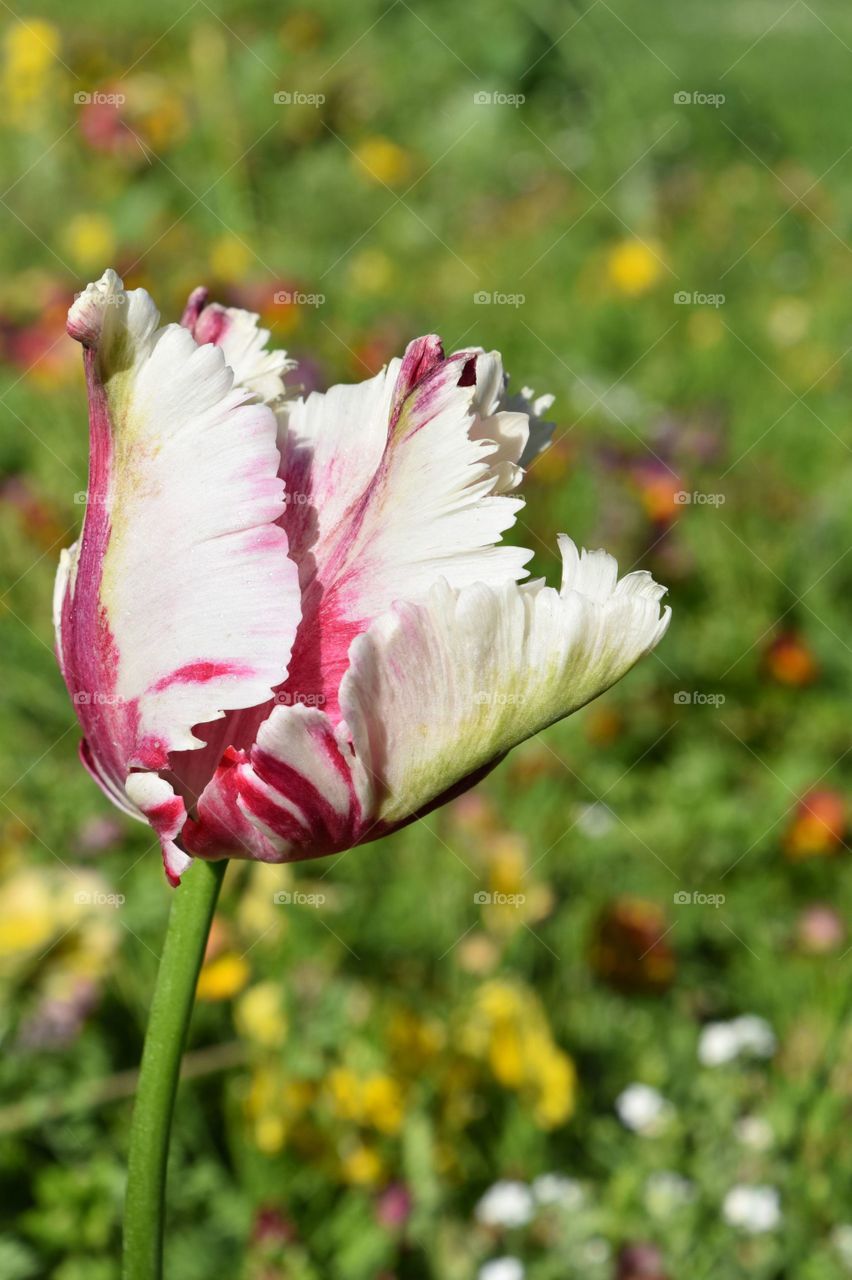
200 673
323 821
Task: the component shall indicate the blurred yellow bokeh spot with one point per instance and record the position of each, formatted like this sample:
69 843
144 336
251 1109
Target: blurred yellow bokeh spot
223 978
230 258
28 68
90 240
260 1017
634 266
362 1167
383 160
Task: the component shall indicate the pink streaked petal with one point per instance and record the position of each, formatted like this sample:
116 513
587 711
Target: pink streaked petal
389 490
166 813
301 791
436 693
243 343
221 828
179 602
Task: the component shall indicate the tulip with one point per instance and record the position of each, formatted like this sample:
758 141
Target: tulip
290 627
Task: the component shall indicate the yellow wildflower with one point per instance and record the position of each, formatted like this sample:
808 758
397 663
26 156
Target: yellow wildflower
259 1015
382 1105
272 1106
553 1081
28 917
362 1166
90 239
344 1089
30 51
500 1000
508 862
414 1040
264 1110
508 1030
230 258
223 977
634 267
506 1055
383 161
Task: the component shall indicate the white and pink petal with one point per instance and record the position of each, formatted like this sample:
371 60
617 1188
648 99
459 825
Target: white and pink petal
157 802
179 602
436 693
442 689
390 488
244 344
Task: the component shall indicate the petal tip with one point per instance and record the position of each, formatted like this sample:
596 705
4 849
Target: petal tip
86 313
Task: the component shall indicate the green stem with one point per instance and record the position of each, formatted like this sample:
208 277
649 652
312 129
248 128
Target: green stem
168 1022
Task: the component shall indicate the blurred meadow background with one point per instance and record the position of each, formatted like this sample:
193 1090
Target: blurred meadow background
592 1019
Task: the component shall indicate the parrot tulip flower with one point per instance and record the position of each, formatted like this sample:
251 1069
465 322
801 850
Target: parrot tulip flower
290 626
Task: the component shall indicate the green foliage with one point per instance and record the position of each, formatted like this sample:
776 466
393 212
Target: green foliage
398 199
